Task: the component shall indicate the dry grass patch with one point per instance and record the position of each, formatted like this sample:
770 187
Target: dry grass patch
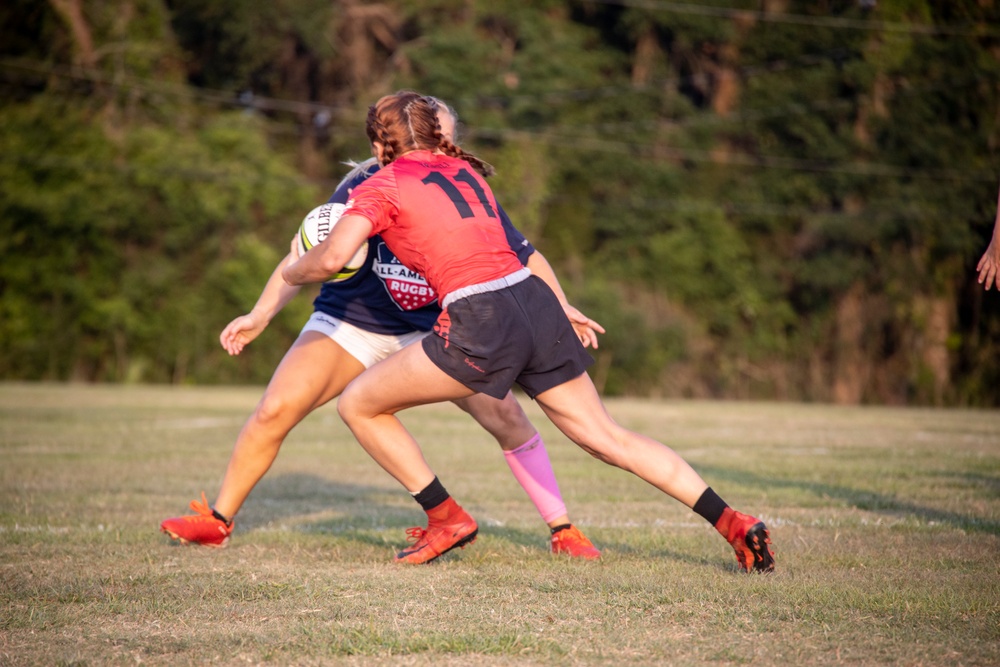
886 524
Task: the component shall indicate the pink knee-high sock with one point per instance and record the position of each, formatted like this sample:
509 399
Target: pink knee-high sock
533 471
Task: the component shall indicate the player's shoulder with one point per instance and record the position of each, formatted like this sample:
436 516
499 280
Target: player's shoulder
382 184
360 172
383 176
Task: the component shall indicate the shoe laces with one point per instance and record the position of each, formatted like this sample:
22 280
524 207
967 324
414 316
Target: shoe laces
202 507
414 534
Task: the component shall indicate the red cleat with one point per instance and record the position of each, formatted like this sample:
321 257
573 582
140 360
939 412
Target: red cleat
203 528
571 542
749 539
448 526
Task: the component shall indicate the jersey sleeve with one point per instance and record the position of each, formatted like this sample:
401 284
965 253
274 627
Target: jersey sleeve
518 242
376 199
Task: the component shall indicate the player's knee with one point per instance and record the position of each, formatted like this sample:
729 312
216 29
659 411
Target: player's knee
508 419
356 404
348 405
276 409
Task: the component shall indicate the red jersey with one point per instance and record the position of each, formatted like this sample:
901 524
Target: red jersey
439 218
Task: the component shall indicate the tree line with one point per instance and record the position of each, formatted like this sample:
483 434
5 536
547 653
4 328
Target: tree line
770 199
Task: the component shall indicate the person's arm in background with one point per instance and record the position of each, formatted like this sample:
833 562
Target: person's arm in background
989 265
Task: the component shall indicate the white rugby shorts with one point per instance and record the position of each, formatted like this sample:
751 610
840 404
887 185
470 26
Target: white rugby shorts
367 347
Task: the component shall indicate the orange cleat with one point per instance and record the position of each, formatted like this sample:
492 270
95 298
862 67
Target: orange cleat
448 526
204 528
571 542
750 539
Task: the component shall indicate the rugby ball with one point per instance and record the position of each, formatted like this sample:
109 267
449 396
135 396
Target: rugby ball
317 225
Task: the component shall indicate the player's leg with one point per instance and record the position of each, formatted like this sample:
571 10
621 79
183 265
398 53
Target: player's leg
369 406
576 409
525 453
313 371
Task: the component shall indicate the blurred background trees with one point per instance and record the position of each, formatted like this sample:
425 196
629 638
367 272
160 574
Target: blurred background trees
768 199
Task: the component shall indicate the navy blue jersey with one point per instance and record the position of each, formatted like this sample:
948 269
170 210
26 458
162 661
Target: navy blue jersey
385 297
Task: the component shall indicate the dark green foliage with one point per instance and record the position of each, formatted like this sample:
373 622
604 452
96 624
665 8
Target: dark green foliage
110 249
236 45
755 205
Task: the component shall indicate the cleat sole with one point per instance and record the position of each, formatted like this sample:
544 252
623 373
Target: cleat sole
174 536
757 540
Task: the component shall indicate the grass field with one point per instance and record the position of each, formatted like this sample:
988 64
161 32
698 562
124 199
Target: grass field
885 521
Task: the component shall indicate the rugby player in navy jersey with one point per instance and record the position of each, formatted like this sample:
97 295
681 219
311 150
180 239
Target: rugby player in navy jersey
356 323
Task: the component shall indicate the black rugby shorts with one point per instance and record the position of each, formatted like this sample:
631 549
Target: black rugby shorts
518 334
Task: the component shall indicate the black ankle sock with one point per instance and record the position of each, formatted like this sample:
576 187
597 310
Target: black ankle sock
221 518
562 526
432 495
710 506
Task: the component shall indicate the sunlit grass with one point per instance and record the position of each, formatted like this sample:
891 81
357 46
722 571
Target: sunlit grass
886 523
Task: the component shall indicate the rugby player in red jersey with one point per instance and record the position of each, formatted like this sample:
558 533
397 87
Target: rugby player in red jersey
499 326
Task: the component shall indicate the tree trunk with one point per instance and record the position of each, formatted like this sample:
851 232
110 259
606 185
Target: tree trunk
936 314
851 368
72 14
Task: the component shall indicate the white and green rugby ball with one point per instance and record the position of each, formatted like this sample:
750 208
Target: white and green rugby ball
317 225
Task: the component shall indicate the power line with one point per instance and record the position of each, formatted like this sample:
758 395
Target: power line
577 95
550 136
836 22
184 172
875 209
184 91
736 160
752 114
264 103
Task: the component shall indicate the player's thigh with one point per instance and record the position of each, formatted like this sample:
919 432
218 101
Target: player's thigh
404 379
313 372
576 409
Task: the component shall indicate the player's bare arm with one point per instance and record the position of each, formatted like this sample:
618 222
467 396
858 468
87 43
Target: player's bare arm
330 256
275 295
989 264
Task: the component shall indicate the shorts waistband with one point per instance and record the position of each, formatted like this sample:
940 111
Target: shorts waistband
491 286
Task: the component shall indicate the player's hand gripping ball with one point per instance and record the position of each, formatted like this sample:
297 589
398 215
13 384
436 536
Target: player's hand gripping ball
317 225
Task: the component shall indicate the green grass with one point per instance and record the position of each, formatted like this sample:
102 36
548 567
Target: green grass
886 525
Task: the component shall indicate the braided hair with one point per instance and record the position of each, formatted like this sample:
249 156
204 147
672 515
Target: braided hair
407 121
